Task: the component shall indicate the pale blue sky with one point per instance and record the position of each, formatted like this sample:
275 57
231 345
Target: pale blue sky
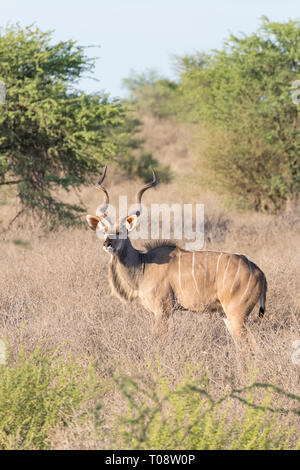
141 34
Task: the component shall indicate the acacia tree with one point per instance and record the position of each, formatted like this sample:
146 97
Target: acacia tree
242 95
51 135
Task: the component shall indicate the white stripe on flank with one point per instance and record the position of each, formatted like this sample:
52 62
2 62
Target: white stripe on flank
193 273
225 272
179 271
236 274
217 269
248 280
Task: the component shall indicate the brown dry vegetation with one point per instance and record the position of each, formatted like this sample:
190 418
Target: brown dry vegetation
55 289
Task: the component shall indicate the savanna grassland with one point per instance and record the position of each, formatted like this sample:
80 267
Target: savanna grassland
85 371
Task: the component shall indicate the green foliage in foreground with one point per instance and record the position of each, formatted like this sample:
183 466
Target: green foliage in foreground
42 393
188 417
39 392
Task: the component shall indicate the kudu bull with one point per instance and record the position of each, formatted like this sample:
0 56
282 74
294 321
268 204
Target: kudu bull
167 277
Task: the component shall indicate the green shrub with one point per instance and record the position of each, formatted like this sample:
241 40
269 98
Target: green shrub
39 392
188 417
144 164
131 157
152 94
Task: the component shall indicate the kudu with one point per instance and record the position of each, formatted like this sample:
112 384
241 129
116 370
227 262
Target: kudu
167 277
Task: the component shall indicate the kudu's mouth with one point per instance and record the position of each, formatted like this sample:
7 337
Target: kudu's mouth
108 247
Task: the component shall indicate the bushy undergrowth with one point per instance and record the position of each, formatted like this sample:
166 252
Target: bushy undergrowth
188 417
38 392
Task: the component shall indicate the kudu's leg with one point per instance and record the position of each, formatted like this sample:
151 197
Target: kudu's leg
235 322
162 306
235 327
251 338
161 322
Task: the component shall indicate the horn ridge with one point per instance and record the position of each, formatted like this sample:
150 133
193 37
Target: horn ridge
140 193
102 212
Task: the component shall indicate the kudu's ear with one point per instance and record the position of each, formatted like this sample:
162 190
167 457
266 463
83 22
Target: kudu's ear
131 222
92 221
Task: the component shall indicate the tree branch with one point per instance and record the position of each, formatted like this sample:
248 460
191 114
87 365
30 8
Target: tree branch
11 182
15 217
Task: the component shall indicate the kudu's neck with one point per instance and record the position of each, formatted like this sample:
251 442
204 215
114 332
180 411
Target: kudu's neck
126 268
128 256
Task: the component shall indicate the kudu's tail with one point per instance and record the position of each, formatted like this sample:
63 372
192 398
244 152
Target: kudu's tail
263 295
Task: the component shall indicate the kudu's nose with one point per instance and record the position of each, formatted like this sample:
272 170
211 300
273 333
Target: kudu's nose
107 243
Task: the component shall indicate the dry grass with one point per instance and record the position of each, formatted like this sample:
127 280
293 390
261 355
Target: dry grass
55 289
